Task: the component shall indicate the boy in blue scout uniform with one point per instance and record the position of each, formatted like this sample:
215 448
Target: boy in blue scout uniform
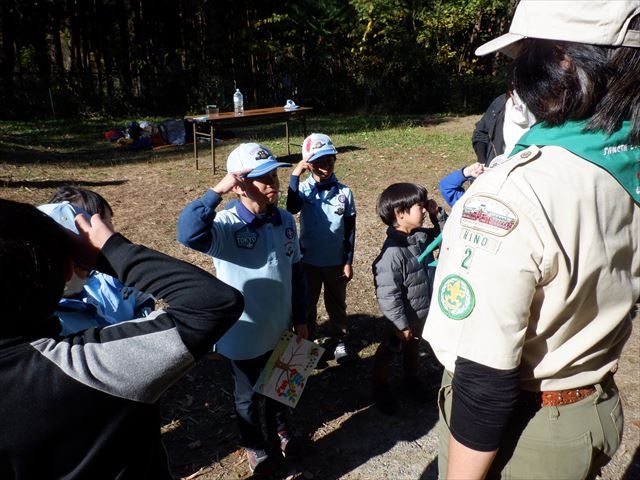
539 271
255 249
327 235
92 299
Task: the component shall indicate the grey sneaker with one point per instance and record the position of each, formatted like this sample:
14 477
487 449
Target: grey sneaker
259 461
290 446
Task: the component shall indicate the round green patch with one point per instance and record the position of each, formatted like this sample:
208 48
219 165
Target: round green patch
456 297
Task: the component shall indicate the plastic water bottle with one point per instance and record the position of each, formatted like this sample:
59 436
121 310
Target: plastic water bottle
238 102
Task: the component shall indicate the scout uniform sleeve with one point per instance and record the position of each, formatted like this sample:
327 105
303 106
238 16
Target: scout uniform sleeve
299 294
349 229
451 186
195 222
514 284
294 202
349 239
140 359
491 260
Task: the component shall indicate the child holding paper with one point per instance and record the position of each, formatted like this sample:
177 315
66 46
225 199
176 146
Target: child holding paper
255 248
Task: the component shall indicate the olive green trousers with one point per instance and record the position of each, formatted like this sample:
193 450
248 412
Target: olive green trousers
568 442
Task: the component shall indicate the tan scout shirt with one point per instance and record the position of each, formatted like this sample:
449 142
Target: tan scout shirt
539 268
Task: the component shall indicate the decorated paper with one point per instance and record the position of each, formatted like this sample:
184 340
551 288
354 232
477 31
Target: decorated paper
288 369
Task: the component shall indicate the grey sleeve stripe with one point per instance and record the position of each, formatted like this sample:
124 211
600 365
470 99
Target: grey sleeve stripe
136 367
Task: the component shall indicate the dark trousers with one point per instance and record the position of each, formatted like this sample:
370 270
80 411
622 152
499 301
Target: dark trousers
248 404
389 347
335 294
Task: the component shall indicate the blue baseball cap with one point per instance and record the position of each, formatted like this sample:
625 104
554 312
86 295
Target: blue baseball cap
254 156
317 145
64 214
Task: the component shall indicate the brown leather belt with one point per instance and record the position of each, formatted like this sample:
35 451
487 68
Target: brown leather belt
556 398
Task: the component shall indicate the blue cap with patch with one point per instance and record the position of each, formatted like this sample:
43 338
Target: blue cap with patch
254 156
317 145
64 214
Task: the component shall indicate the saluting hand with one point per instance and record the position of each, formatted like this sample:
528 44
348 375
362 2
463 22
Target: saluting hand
300 168
93 235
230 180
432 208
474 170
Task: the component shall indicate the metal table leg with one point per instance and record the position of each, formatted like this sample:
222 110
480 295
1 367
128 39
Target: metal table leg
286 131
195 145
213 147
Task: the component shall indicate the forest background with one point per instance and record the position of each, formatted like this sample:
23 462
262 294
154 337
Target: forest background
68 58
90 63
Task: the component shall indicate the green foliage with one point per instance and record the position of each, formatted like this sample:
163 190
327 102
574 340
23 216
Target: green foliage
172 57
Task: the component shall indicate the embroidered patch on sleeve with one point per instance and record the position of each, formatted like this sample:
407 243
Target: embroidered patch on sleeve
288 248
456 297
290 233
489 215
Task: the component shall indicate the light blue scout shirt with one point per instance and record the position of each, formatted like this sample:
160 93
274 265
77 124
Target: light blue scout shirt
105 300
322 229
254 259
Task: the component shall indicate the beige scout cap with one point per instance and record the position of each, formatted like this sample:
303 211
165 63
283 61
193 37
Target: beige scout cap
596 22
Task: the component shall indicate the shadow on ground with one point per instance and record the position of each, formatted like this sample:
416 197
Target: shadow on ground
82 141
343 429
47 184
633 470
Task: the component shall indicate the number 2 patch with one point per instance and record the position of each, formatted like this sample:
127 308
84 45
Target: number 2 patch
456 297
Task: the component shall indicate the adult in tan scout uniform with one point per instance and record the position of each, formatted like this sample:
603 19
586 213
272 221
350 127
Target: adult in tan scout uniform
540 266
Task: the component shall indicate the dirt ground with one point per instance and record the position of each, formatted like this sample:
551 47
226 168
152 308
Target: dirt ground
346 437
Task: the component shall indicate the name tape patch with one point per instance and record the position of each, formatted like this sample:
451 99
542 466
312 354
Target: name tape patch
478 239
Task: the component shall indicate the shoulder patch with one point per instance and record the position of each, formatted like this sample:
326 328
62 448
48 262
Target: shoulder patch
456 297
289 232
489 215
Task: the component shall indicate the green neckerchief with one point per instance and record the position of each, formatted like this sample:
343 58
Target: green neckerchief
613 153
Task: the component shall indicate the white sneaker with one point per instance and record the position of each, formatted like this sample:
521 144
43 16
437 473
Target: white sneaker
341 355
259 461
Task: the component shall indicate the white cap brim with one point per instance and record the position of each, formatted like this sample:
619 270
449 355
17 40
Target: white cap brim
592 22
63 213
507 44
